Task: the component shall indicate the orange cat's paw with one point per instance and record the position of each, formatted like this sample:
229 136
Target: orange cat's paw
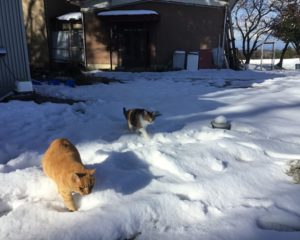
72 209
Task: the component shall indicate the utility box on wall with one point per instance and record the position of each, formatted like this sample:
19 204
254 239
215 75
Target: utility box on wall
206 59
179 60
192 62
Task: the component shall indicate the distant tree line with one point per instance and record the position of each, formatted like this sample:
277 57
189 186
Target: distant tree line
289 53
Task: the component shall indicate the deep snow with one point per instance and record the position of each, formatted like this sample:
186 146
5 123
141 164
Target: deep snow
189 181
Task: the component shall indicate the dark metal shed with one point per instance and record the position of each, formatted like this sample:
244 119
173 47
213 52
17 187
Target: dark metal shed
14 65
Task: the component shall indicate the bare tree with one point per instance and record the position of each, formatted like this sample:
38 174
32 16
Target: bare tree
286 26
283 51
253 20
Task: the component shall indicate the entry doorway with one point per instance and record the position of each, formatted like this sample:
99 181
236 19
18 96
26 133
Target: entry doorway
133 47
67 41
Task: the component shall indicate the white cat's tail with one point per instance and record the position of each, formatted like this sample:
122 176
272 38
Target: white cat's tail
125 112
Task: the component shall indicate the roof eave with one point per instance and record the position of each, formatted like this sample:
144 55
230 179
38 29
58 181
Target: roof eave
90 5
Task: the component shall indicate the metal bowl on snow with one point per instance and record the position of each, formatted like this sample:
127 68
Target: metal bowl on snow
221 125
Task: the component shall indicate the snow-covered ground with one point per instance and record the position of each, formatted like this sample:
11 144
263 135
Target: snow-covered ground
189 181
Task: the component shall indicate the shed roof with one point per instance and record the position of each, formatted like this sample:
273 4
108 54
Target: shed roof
129 16
70 16
127 12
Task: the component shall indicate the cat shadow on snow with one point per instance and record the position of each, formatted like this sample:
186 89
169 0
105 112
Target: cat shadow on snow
123 172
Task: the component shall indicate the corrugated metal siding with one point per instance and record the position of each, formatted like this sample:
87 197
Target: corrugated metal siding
14 66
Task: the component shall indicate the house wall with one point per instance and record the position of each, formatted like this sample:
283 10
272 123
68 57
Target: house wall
14 65
184 27
38 16
36 32
181 27
96 42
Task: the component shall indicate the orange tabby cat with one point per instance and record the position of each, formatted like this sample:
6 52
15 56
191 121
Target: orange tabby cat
62 163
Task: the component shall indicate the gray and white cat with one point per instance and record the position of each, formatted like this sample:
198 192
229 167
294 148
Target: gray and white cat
138 119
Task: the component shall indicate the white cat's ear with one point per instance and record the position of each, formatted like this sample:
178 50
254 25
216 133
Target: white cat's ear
92 171
156 113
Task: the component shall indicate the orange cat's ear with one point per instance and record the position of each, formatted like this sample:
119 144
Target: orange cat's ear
76 176
92 171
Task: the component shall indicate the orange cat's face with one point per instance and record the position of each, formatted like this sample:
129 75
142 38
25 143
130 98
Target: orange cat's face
83 183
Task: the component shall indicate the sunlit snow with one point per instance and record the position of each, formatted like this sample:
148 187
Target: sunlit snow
188 181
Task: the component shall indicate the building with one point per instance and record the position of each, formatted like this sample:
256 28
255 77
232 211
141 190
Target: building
127 34
133 34
14 64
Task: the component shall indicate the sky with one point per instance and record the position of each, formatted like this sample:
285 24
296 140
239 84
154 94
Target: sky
187 181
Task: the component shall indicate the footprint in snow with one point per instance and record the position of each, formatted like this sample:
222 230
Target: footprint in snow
207 208
280 220
257 203
4 208
165 162
242 153
219 165
250 145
